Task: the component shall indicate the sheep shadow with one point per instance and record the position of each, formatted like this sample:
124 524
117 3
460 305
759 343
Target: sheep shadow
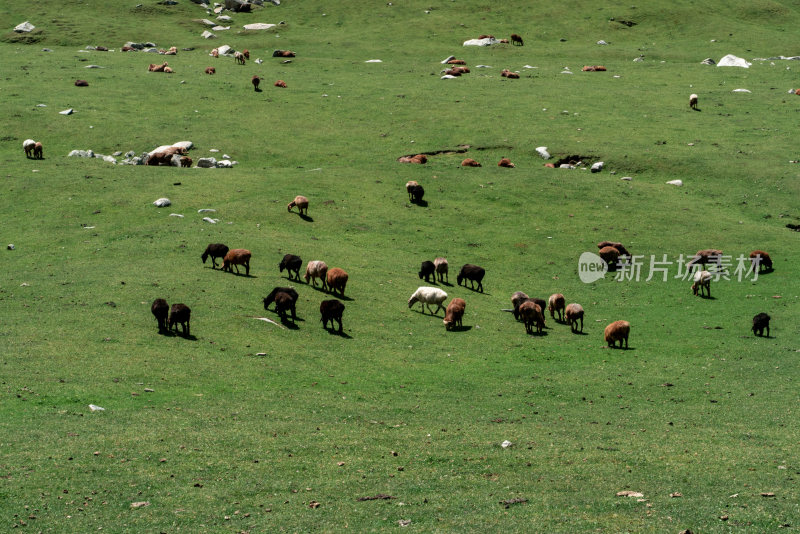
707 297
305 217
332 294
615 347
461 329
289 324
422 312
334 332
579 333
420 203
259 90
537 334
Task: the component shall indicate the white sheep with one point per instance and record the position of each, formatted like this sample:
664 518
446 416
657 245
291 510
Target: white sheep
693 101
702 280
426 296
28 145
441 266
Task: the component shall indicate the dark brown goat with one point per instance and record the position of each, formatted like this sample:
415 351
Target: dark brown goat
160 310
473 273
180 313
331 310
291 263
215 250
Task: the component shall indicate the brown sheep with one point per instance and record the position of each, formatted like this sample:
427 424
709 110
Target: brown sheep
239 58
127 49
171 52
512 76
531 315
619 246
317 269
617 331
418 158
460 70
456 62
441 266
283 53
280 83
236 257
573 313
469 162
211 70
246 53
516 40
451 72
556 304
168 70
37 150
81 83
517 298
302 204
160 309
157 68
610 255
215 52
704 257
454 313
186 161
331 310
180 313
285 302
503 41
760 259
485 36
255 80
337 280
505 162
593 68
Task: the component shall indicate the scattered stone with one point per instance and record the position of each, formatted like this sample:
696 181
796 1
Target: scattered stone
732 61
207 22
767 494
206 210
207 163
188 145
676 182
176 215
741 91
638 59
373 61
403 522
258 26
676 495
506 444
69 111
224 164
488 41
225 50
626 178
628 493
81 154
224 18
95 408
542 151
221 28
208 35
24 27
10 246
140 504
447 59
210 220
601 42
162 202
375 497
507 503
597 167
708 61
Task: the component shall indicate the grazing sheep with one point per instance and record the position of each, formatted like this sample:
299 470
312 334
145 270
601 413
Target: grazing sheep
280 83
180 313
37 150
28 145
454 313
331 310
593 68
702 281
485 36
619 246
505 162
420 159
441 269
617 331
451 72
426 296
760 259
456 62
317 269
236 257
761 322
81 83
505 73
516 39
157 68
469 162
215 250
211 70
302 204
417 192
269 299
160 310
426 270
473 273
255 80
186 161
610 255
531 315
215 52
246 53
693 101
704 257
573 313
556 304
238 57
283 53
168 70
409 187
291 263
337 280
283 303
517 298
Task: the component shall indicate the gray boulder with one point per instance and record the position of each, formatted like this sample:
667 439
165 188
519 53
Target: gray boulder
207 163
81 154
24 27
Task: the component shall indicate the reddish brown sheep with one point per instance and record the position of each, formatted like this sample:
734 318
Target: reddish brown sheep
573 313
485 36
704 257
593 68
236 257
280 83
168 70
128 49
246 53
610 255
531 315
37 150
469 162
617 331
760 260
81 83
556 304
456 62
451 72
454 313
211 70
337 280
331 310
458 71
617 245
255 80
503 41
283 53
317 269
516 40
238 57
418 158
505 162
302 204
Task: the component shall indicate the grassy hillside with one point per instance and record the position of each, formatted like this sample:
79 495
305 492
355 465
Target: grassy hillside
247 426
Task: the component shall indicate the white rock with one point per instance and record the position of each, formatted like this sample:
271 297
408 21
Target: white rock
81 154
542 150
601 42
483 67
45 105
373 61
208 22
95 408
24 27
732 61
626 178
566 72
210 220
162 202
207 163
225 156
488 41
110 159
11 246
206 210
741 91
93 67
224 164
529 67
566 166
188 145
207 35
597 167
224 18
69 111
221 28
640 58
708 61
449 77
676 182
258 26
258 61
176 215
448 58
506 444
225 50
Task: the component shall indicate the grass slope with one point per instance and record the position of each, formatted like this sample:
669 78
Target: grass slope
232 440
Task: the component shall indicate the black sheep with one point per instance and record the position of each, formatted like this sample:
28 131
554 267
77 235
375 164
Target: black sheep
416 192
760 322
330 310
160 310
427 270
215 250
473 273
285 302
180 313
291 263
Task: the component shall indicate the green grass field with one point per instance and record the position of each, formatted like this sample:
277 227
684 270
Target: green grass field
249 427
